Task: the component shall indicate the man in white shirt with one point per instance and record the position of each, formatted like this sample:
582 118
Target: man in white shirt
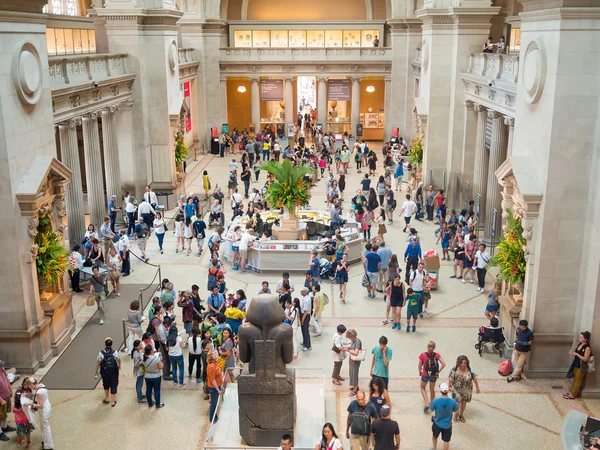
285 279
236 199
417 280
286 442
482 258
245 242
124 252
150 197
408 209
307 308
146 212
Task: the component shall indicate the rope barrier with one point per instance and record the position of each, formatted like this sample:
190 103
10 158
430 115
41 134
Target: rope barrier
143 260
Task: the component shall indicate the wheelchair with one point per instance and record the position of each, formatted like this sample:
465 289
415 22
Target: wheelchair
493 336
216 220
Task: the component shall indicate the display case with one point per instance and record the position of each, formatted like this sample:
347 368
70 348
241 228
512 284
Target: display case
279 38
368 36
261 38
243 38
315 38
352 38
297 38
333 38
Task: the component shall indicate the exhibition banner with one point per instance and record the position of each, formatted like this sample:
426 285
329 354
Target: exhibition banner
271 90
339 90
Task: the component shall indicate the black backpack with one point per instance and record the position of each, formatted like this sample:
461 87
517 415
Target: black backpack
360 422
109 362
432 366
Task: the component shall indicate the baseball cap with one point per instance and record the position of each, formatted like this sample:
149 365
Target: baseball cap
444 388
385 411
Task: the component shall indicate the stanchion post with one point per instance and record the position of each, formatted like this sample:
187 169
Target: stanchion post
159 275
141 302
123 349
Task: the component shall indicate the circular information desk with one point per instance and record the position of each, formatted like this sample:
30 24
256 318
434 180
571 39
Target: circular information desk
280 255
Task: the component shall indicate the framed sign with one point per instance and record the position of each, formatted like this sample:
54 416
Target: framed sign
271 90
338 90
372 120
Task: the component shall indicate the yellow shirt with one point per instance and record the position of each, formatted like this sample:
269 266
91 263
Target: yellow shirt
319 302
205 182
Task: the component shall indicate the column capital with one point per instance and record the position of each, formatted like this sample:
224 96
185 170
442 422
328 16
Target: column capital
109 109
71 123
355 79
254 79
469 105
510 121
91 116
479 107
493 114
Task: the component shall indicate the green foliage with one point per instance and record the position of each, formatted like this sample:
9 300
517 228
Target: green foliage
415 154
181 150
52 259
289 189
510 256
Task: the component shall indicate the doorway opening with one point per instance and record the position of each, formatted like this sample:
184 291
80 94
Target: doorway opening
307 101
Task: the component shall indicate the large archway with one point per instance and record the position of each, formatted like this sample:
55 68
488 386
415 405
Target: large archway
312 10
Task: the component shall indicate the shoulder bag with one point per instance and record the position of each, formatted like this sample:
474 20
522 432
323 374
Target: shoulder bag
362 354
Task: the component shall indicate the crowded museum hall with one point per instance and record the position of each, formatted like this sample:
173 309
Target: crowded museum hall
315 225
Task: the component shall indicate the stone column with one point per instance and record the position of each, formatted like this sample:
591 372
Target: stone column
254 90
112 169
355 114
223 89
387 106
480 175
69 151
322 102
468 153
93 170
510 122
288 99
496 158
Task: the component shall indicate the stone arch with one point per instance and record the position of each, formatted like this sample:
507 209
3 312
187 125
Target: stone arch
248 10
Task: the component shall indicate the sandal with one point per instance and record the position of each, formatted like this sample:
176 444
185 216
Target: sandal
106 402
462 419
352 394
336 382
568 397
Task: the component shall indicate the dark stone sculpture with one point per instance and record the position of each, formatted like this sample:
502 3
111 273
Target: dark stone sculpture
267 393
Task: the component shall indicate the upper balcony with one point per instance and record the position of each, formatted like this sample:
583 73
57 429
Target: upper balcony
188 65
306 55
491 80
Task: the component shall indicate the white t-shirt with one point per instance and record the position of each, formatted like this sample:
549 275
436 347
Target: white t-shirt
198 345
123 242
176 349
417 280
290 282
335 444
409 208
306 304
159 226
244 241
339 343
482 259
236 197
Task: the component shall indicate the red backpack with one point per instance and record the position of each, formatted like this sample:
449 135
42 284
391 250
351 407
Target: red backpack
505 368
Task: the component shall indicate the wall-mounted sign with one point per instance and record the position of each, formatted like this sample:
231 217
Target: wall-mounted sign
187 97
339 90
395 131
271 90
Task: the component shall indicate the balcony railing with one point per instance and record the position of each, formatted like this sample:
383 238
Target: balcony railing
82 69
495 66
363 54
186 55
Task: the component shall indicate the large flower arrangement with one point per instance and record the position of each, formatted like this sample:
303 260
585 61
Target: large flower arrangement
181 151
415 154
510 256
52 258
289 188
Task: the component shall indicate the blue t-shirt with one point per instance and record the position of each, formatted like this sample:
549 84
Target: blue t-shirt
443 407
316 268
373 260
111 205
379 368
190 210
366 184
200 229
216 300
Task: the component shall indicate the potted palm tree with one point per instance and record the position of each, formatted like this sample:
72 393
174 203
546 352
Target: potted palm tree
288 191
510 255
52 259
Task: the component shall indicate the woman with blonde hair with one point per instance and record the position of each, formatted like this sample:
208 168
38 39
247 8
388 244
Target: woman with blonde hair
356 353
115 263
39 394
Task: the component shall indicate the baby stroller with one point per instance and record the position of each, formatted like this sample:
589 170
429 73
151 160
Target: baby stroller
328 270
489 335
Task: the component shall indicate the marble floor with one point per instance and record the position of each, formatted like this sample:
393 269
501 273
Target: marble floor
503 416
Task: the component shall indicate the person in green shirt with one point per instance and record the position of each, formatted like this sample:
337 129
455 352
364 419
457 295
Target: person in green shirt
412 310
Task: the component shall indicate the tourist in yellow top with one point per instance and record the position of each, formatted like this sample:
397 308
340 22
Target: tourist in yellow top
205 183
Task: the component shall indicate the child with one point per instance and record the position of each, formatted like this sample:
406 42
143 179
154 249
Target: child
388 293
445 237
207 347
322 164
412 310
205 183
24 427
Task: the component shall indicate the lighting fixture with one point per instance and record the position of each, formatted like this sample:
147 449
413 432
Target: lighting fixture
241 89
370 89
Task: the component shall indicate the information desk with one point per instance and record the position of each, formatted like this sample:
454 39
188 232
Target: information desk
291 255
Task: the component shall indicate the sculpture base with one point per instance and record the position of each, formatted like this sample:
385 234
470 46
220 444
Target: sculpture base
287 231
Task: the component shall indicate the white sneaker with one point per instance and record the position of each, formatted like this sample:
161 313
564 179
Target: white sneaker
463 280
101 321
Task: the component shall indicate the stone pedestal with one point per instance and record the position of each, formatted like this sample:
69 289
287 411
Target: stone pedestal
287 230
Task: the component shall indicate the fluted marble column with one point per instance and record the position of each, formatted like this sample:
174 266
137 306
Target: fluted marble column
480 175
69 151
255 105
497 157
288 100
510 123
322 102
112 168
93 169
355 114
223 96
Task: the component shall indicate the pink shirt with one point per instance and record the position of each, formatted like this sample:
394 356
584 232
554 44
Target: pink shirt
423 359
20 416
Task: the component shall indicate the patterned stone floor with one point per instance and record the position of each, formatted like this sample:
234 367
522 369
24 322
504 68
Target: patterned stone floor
504 416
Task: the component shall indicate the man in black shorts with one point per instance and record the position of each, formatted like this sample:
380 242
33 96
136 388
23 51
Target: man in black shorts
443 407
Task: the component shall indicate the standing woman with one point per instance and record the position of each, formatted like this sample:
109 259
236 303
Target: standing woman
175 345
378 394
381 230
294 319
381 189
257 166
137 354
159 229
226 352
394 268
194 345
75 265
372 162
205 183
115 263
39 394
581 357
235 246
153 374
460 381
179 226
329 440
372 201
459 255
342 276
342 186
355 350
397 299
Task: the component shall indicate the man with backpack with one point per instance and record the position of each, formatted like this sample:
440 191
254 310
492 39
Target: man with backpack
429 371
361 414
109 364
412 255
417 283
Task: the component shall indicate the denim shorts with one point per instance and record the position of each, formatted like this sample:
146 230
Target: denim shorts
342 277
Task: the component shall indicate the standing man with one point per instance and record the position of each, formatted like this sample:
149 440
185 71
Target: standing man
444 408
107 234
389 205
417 281
385 253
372 265
361 414
345 158
146 212
97 289
385 432
113 209
250 150
429 195
380 365
162 331
245 243
216 302
338 353
408 209
109 363
412 255
141 233
482 258
150 197
306 307
198 308
522 349
5 403
124 252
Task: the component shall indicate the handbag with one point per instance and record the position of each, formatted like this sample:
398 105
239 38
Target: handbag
362 354
335 349
91 300
115 274
365 280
